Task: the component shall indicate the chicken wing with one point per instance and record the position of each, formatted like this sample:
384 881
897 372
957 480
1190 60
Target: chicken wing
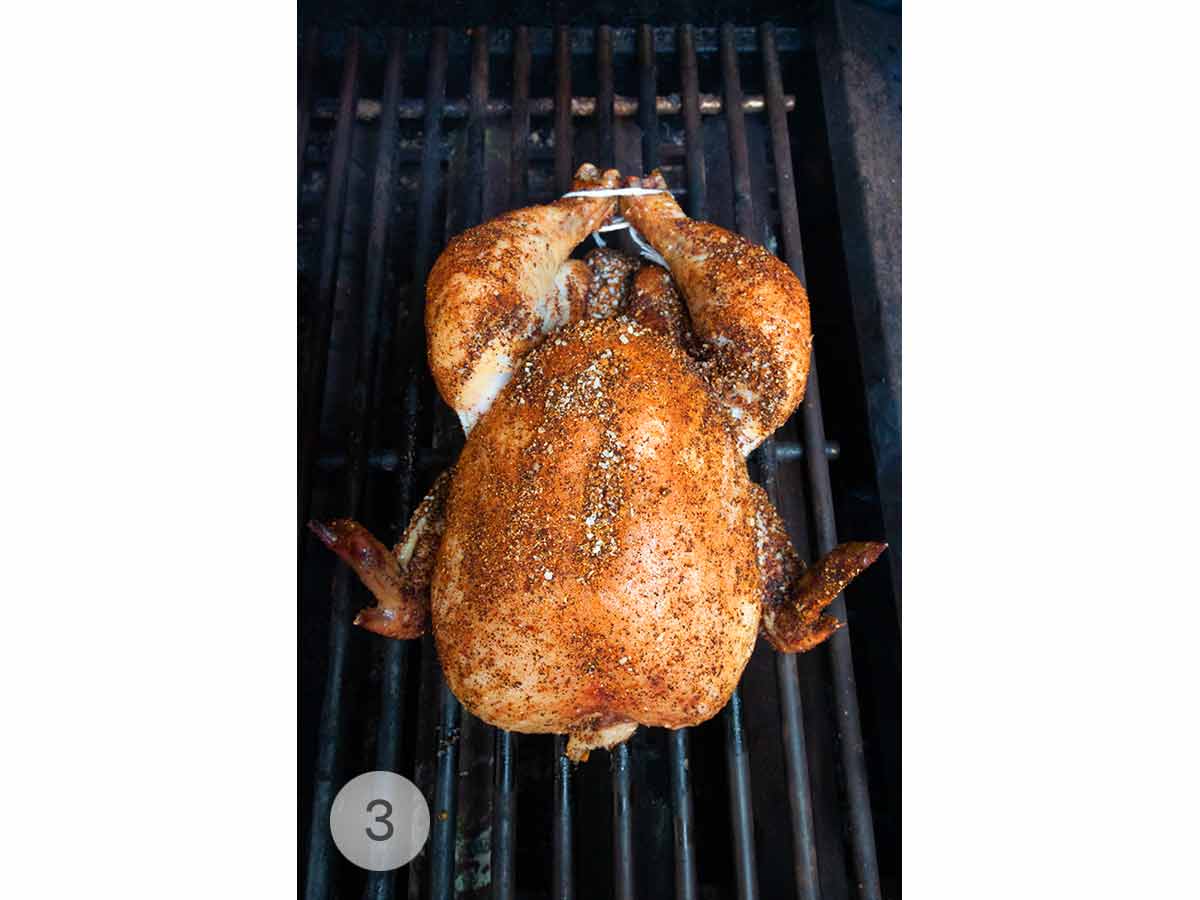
794 595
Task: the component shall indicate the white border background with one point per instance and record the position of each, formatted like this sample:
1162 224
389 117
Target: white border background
147 356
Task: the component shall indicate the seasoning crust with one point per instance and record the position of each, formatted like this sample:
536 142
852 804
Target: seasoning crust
598 566
500 287
745 305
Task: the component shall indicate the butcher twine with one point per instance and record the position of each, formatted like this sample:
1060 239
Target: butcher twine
619 223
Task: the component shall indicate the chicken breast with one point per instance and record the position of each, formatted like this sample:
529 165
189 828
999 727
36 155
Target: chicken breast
605 506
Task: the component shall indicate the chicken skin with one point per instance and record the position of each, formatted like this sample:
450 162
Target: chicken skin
598 557
744 303
498 289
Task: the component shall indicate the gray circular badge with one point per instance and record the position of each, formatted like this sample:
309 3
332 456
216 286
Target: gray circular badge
379 820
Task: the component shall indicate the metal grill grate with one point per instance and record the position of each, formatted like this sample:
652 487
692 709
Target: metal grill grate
500 160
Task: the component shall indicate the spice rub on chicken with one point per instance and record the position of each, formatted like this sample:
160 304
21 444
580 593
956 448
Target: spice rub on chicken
746 305
598 558
499 288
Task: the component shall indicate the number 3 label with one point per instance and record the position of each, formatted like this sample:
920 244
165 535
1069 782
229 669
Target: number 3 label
384 819
379 821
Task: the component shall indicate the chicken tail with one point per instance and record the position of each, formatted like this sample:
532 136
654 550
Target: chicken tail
583 740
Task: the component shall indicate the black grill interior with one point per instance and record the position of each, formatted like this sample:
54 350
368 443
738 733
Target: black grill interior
408 136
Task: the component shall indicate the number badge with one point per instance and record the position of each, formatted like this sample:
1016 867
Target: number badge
379 821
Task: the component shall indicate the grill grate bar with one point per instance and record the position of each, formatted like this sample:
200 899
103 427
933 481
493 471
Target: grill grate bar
320 853
854 765
605 94
563 871
563 127
804 848
504 814
445 794
690 79
781 149
739 149
476 164
369 110
741 816
320 857
681 802
647 106
308 65
853 758
622 811
804 852
518 179
408 343
804 844
381 885
313 395
435 100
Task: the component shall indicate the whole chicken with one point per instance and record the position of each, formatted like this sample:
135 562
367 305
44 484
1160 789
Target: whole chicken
598 557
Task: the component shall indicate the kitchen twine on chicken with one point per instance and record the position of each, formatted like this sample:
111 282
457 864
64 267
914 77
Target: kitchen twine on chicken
618 223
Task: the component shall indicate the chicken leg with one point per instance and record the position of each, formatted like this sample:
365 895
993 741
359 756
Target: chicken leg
745 304
499 288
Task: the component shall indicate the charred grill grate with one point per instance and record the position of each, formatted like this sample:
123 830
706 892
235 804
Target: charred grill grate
383 183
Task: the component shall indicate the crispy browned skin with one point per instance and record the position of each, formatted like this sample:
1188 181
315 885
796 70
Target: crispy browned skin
745 304
794 596
598 565
398 578
499 287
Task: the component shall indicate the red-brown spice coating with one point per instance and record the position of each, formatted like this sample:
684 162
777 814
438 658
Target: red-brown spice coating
598 564
745 304
499 287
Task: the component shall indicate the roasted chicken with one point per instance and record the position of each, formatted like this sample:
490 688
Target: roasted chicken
598 557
